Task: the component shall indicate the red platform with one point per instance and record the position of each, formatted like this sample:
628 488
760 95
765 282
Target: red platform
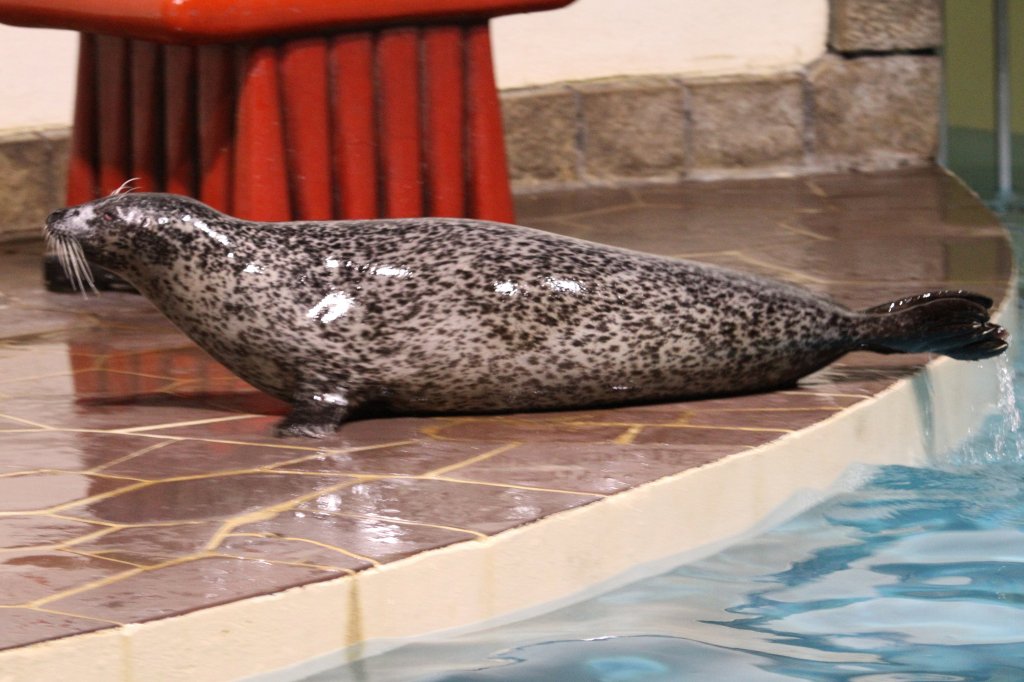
385 109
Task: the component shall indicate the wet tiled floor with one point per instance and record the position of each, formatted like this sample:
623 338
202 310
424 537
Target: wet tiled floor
139 479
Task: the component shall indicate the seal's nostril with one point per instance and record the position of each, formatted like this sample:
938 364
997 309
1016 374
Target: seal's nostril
56 215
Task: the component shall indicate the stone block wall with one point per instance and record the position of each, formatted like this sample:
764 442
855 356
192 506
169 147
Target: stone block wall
871 102
33 168
864 26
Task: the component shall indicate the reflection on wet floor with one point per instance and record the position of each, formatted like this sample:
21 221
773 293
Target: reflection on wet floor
139 479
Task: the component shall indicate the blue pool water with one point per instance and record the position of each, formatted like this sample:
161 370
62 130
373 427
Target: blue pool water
917 575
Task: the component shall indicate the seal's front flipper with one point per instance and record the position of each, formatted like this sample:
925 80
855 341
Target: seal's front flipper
953 323
317 416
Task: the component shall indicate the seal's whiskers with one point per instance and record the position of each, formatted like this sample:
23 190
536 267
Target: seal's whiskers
125 187
72 261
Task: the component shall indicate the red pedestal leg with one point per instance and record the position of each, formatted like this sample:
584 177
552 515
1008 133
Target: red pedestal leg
83 183
306 107
260 179
179 120
114 112
354 116
490 198
399 122
216 105
444 120
398 117
146 103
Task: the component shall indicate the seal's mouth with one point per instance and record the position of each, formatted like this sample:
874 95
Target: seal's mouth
69 252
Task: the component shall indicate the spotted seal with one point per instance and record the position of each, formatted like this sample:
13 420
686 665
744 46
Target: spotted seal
432 315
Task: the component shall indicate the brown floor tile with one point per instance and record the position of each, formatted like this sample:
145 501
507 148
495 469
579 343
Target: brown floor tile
86 385
876 223
923 189
881 364
198 499
732 259
260 429
366 432
410 459
797 398
785 194
195 457
628 415
34 492
560 204
864 260
40 531
481 508
66 450
783 418
181 588
547 427
151 545
28 575
19 627
15 323
668 231
252 429
290 550
597 468
377 539
738 437
67 413
219 394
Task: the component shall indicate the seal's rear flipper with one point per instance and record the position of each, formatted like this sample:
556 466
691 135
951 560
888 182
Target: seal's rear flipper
953 323
921 299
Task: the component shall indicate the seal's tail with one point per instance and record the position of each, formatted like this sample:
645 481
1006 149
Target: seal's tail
953 323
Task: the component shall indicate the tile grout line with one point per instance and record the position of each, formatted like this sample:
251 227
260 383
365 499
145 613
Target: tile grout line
227 526
436 473
38 426
175 425
407 522
132 455
629 435
309 541
514 486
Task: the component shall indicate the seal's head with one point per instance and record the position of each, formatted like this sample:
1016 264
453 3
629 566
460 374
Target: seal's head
127 233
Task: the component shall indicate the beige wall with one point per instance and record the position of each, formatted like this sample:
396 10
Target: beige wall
597 38
588 39
37 74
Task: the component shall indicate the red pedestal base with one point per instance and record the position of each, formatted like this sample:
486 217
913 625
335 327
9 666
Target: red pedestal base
394 122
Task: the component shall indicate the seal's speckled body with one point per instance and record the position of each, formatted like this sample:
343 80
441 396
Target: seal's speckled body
448 315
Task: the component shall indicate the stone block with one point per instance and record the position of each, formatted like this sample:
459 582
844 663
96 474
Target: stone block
59 140
876 106
744 123
541 129
27 177
633 128
884 25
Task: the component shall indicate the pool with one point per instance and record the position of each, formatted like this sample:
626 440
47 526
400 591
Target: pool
904 574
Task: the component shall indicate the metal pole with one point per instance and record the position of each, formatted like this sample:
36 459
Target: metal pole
1004 142
942 153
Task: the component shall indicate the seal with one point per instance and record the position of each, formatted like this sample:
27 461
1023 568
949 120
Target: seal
436 315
